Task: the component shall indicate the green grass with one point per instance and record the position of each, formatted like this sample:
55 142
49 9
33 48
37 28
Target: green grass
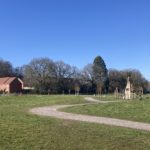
106 97
135 110
20 130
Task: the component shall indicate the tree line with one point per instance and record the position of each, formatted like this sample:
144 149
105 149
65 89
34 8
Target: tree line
49 77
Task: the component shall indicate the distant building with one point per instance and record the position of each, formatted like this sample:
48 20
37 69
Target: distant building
11 85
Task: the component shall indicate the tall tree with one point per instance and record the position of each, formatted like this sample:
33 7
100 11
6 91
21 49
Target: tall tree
18 72
100 74
6 68
41 74
136 78
86 79
64 70
116 80
64 74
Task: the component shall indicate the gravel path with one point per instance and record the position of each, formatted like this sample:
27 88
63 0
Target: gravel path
53 111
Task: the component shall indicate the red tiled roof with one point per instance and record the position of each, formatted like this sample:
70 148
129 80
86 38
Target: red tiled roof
7 80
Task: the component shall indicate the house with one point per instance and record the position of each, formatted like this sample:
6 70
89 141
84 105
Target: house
11 85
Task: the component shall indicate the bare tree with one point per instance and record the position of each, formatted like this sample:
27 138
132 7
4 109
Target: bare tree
40 73
6 68
118 79
64 70
86 79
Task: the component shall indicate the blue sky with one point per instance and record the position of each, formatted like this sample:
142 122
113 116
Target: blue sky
76 31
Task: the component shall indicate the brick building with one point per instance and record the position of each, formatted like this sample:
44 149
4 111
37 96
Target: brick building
11 85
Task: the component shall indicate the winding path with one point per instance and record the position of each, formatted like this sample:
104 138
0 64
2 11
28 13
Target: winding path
53 111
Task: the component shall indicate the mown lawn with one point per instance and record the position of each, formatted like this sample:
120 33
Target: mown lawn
109 97
20 130
135 110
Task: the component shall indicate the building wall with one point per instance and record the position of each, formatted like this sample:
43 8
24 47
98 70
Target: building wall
15 86
4 87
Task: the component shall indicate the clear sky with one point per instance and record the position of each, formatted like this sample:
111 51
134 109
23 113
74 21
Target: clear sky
76 31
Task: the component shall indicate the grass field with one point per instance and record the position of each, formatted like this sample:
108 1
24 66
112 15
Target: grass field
109 97
20 130
135 110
